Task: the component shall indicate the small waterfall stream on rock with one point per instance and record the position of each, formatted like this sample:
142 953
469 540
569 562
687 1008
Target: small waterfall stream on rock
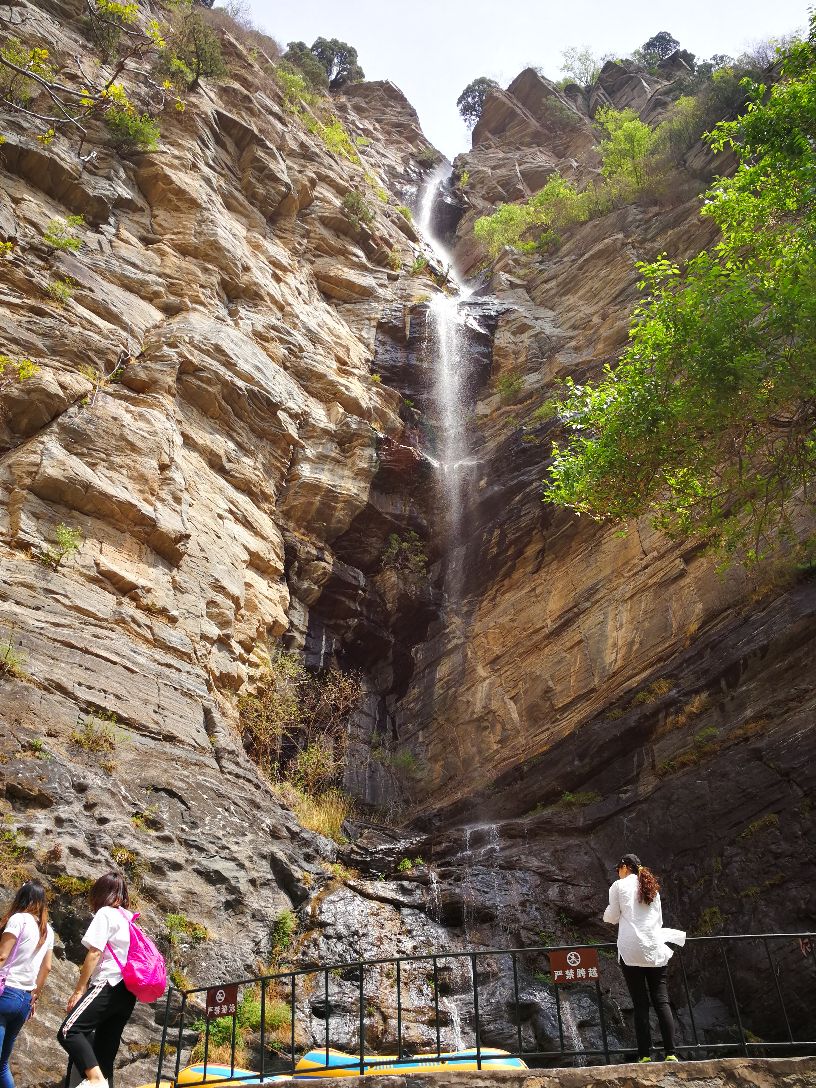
446 344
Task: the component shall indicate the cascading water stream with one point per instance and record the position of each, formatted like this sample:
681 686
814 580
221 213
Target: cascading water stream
447 349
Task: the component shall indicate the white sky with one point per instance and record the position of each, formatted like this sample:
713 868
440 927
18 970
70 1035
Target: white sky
433 48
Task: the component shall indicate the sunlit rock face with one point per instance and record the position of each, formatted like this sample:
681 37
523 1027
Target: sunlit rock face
204 414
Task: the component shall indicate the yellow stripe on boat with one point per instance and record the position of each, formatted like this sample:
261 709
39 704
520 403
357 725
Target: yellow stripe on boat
315 1065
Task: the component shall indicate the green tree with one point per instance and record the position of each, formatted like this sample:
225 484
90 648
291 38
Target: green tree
470 102
659 47
196 45
625 150
580 65
300 55
339 61
708 422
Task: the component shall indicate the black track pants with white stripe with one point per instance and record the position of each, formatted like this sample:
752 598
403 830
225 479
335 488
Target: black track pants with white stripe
92 1030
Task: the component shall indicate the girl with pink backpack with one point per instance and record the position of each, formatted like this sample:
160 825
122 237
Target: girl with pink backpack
122 966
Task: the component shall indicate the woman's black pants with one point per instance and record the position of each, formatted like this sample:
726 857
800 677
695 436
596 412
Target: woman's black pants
645 983
92 1030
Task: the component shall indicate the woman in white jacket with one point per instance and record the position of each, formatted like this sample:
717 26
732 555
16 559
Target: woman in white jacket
634 904
25 961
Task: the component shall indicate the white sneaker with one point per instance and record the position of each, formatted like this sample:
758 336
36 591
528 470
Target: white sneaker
92 1084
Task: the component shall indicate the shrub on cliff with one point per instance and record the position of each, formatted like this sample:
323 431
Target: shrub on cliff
294 722
405 553
626 147
26 74
356 210
131 130
537 221
19 87
707 423
196 46
470 102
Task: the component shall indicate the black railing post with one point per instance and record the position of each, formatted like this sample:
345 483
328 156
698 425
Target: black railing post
206 1048
399 1008
743 1042
263 1029
603 1019
362 1024
692 1021
180 1033
436 1004
516 996
778 989
292 1035
326 1006
476 1010
163 1043
558 1014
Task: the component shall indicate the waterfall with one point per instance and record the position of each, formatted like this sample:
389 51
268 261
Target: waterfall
446 348
571 1030
456 1041
427 200
434 902
445 328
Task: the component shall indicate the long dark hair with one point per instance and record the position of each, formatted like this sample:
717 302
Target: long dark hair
648 885
30 899
109 891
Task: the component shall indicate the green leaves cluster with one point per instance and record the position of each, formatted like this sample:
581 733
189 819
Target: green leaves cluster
356 210
709 421
626 146
470 102
169 55
294 722
405 553
327 63
18 84
552 208
60 234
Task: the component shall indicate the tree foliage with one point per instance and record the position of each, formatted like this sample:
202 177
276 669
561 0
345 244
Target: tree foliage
301 57
626 147
659 47
195 46
580 66
339 61
470 102
55 104
708 423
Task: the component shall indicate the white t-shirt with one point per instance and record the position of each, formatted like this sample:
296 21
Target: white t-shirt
25 966
641 936
109 925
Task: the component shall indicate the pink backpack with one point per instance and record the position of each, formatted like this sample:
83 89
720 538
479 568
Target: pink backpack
144 972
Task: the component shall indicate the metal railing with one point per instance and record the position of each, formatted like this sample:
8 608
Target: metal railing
782 955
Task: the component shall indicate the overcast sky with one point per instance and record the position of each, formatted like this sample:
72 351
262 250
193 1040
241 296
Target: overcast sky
433 48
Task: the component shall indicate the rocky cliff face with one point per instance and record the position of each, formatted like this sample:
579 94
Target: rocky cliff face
205 412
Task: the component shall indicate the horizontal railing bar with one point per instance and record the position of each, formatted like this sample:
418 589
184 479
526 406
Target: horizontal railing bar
427 957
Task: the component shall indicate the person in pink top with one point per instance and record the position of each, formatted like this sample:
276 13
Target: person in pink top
634 905
101 1005
25 961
